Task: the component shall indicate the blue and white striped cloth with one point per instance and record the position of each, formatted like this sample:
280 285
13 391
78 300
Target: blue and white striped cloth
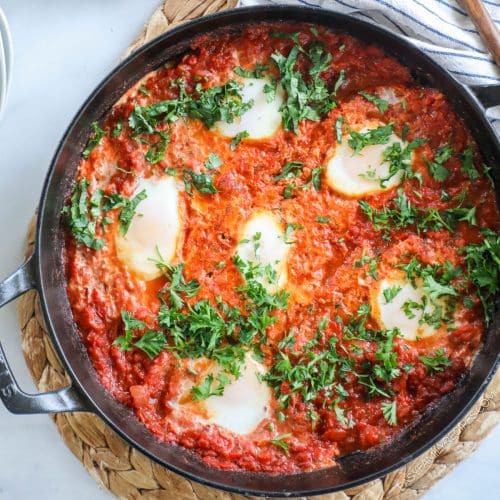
441 28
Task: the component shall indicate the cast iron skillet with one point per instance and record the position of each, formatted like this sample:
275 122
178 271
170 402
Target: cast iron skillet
44 270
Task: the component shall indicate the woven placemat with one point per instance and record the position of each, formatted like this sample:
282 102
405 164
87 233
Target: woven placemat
129 474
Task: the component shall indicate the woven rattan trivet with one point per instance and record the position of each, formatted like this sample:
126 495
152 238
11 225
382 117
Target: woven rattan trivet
129 474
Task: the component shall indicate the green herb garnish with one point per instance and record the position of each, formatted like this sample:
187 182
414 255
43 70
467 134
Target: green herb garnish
381 104
95 138
436 362
238 138
389 412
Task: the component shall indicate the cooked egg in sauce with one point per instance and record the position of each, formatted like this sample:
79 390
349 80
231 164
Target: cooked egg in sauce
263 118
357 174
156 228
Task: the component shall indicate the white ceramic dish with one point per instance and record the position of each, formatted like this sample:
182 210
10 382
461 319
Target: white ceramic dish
3 78
6 59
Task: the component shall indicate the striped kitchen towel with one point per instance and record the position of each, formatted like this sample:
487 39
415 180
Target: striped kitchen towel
441 28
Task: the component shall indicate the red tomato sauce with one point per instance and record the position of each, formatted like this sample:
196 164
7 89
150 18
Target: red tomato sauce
322 277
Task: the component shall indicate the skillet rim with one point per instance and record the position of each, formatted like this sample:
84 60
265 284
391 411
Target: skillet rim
260 14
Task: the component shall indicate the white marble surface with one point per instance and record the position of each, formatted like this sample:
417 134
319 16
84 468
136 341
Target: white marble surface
62 49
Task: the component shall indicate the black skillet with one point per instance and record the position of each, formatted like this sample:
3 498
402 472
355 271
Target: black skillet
44 271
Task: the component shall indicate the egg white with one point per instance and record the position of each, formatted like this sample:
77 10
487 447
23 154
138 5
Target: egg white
263 119
262 242
156 226
356 175
391 315
244 403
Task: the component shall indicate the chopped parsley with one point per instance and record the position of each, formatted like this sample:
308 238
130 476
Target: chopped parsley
468 168
389 410
202 329
95 138
379 135
315 179
207 387
238 138
404 214
339 82
372 265
128 208
203 182
483 268
441 284
436 362
82 214
391 292
257 72
306 99
280 441
322 220
118 129
381 104
213 161
289 170
399 160
156 152
209 105
151 342
436 167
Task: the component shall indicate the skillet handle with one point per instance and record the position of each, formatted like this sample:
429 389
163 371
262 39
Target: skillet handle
488 95
12 396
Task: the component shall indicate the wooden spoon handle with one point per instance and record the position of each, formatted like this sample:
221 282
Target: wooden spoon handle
485 25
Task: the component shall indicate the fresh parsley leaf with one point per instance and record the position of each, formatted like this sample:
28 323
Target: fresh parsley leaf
405 214
436 167
144 90
82 213
203 182
213 161
206 388
95 138
322 220
280 441
372 265
128 211
238 138
339 82
468 168
483 269
391 292
130 323
436 362
389 411
157 150
152 343
381 104
257 72
218 103
118 129
379 135
399 160
289 170
305 99
315 179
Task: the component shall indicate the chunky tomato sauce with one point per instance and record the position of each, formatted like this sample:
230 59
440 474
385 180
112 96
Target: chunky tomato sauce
325 278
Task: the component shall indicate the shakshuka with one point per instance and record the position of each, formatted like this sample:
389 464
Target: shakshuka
281 248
